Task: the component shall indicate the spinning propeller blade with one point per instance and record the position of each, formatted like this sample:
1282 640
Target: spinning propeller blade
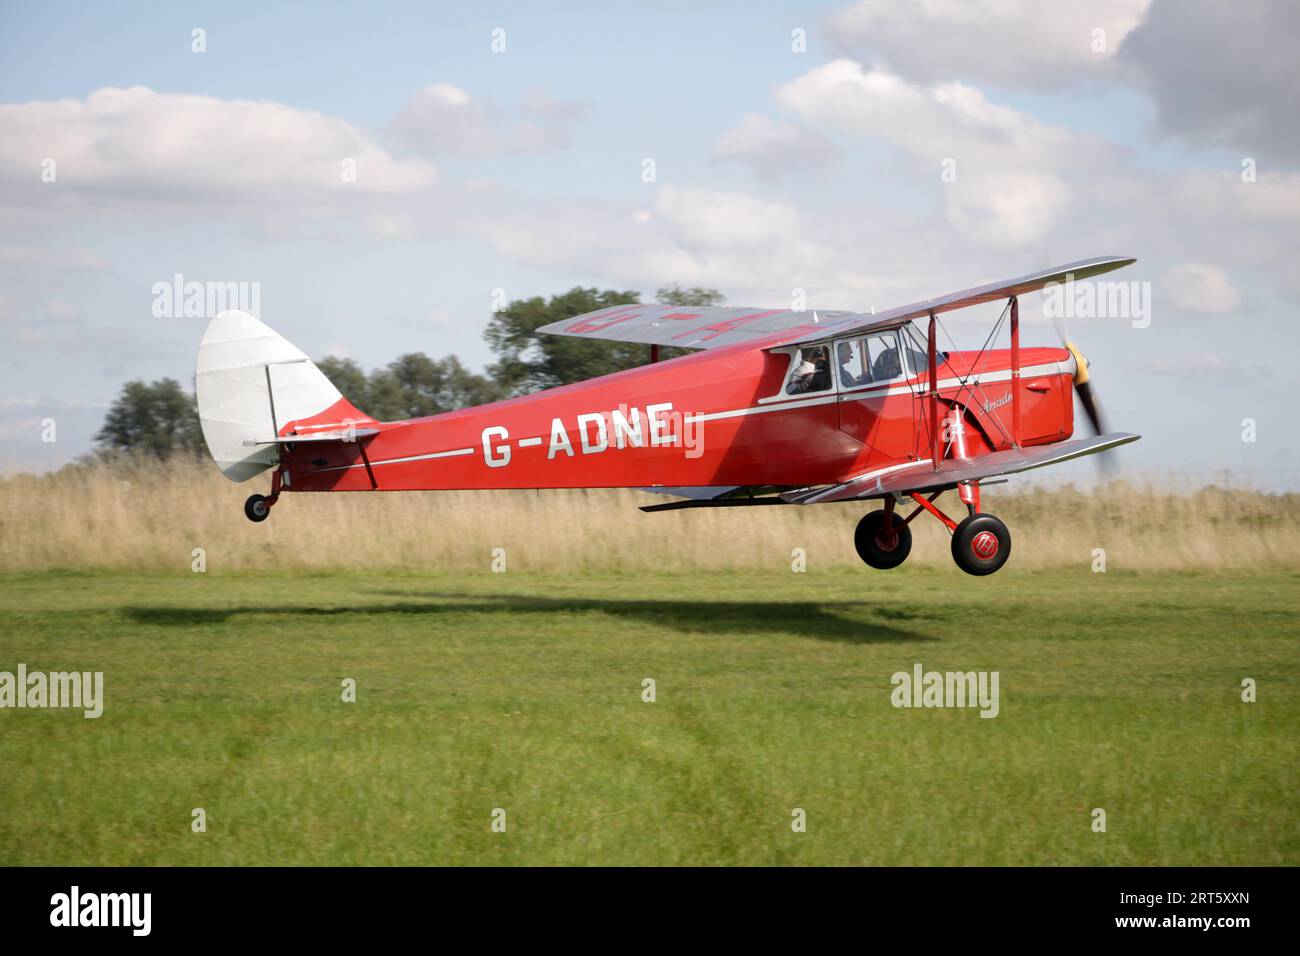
1084 390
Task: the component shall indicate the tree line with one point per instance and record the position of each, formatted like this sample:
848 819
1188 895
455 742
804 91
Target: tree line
160 418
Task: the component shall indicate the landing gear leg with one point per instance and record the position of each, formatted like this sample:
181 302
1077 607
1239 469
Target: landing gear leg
981 543
882 539
258 507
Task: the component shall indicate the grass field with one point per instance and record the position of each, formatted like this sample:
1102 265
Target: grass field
150 517
519 691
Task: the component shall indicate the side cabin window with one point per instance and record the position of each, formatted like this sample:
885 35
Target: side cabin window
810 371
869 360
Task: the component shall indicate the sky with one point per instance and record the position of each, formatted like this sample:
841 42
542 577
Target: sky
383 173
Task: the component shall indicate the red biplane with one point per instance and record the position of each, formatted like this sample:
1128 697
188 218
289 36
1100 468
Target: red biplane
777 407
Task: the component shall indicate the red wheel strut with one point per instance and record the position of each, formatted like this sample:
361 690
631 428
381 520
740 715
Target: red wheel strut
275 488
927 504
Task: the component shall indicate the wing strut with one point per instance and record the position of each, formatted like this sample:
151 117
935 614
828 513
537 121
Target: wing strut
934 395
1015 372
370 472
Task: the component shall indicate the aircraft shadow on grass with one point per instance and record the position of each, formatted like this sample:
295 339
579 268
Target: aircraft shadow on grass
823 620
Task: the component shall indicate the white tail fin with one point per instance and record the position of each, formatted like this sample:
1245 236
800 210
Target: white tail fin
251 382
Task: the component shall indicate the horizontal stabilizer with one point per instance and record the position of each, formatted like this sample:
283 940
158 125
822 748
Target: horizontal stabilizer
921 476
699 493
356 434
251 383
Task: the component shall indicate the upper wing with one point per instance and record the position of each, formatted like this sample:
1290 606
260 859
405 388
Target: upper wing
702 327
1004 289
921 476
710 327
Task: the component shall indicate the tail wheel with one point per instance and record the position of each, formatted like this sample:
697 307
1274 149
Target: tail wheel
256 508
882 546
981 544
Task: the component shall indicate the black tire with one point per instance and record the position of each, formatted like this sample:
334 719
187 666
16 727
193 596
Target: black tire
256 508
981 544
875 547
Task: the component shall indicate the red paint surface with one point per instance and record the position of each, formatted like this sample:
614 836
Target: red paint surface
795 440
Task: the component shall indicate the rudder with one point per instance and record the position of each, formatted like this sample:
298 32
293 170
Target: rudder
251 383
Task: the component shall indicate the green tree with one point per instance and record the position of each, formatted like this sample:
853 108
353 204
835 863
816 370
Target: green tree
427 386
384 397
695 296
350 379
410 386
527 362
156 418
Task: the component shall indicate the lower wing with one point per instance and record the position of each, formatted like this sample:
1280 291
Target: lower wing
923 476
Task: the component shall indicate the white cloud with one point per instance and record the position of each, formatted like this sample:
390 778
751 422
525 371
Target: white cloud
709 221
1008 186
539 102
927 120
137 144
1020 43
1012 208
774 149
1200 367
1221 74
29 259
62 311
1201 288
443 119
755 250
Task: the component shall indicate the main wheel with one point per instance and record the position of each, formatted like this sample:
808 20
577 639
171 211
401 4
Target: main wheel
880 546
256 508
981 544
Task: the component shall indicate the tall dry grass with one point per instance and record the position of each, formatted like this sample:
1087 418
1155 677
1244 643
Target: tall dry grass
130 516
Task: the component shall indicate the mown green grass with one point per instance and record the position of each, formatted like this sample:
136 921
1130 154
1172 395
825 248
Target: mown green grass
523 692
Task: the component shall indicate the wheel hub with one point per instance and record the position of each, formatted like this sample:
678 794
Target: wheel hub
984 545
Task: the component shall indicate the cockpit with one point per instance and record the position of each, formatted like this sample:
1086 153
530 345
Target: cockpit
811 371
857 362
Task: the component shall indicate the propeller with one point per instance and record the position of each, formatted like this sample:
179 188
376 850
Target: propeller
1087 397
1082 380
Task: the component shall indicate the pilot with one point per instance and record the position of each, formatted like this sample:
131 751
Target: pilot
812 374
844 353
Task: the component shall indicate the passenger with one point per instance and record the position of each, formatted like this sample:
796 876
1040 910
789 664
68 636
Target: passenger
887 365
